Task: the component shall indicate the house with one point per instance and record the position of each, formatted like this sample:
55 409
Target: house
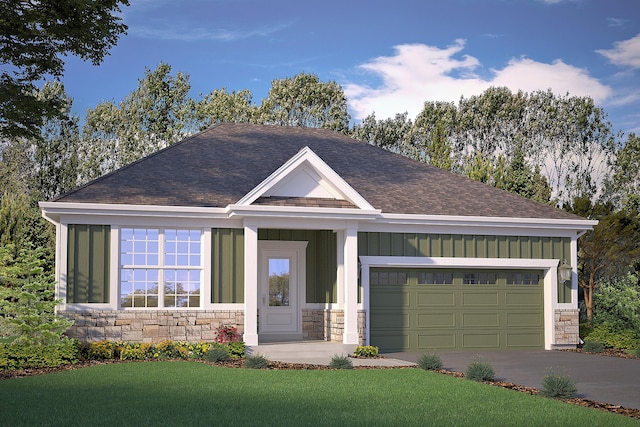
305 234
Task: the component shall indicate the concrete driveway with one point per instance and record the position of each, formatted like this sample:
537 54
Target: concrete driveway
606 379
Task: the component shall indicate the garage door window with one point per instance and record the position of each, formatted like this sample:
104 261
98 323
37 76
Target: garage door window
387 278
523 279
434 278
480 279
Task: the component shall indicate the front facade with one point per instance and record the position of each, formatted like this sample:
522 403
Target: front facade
296 234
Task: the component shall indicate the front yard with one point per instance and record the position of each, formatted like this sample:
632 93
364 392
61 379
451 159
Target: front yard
194 394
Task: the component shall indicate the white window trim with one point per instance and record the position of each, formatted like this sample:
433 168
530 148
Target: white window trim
549 266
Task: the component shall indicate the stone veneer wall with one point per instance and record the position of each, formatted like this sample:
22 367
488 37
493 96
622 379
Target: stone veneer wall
567 327
328 324
151 325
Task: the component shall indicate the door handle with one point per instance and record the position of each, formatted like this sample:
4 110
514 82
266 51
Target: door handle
264 299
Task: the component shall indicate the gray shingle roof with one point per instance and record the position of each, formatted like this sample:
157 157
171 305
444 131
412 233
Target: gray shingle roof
218 166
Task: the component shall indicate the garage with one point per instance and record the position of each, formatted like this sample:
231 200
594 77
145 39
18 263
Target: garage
423 309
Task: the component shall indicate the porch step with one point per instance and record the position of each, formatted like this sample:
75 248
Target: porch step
315 353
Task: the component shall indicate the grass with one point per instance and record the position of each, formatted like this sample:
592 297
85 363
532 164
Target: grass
196 394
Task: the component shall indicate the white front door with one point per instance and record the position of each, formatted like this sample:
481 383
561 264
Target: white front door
281 277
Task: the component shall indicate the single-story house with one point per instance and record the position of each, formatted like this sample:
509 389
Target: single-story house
293 234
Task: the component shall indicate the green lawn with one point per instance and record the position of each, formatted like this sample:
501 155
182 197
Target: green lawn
189 393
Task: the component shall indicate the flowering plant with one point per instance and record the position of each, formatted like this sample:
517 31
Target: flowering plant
227 333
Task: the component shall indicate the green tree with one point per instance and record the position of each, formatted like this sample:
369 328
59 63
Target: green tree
303 100
34 38
27 304
626 177
220 106
432 134
392 134
616 303
156 114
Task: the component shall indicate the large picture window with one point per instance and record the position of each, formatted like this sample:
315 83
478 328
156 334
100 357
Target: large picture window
153 256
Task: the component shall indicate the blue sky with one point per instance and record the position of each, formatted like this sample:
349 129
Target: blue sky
389 57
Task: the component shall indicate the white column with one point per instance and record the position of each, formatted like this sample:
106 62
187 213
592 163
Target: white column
250 285
574 274
350 250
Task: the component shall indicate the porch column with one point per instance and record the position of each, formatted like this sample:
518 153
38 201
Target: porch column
250 336
350 281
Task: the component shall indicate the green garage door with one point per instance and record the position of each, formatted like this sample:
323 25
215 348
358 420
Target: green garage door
437 309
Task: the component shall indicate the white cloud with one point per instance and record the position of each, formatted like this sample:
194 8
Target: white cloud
195 34
624 53
419 73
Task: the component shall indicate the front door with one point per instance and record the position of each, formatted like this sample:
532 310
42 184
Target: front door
281 288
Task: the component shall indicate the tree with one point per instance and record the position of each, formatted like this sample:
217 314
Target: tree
220 106
27 304
156 114
609 250
303 100
626 177
391 134
34 38
616 303
432 133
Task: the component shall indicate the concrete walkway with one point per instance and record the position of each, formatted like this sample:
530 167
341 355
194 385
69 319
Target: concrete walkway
600 378
317 353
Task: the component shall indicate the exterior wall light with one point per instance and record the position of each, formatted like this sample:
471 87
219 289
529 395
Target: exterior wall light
564 271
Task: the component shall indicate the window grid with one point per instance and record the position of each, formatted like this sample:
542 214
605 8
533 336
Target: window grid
153 256
480 279
530 279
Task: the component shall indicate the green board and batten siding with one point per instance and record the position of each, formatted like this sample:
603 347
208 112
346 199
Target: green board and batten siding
227 265
468 246
88 263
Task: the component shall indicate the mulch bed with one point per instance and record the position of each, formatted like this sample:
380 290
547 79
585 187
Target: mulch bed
629 412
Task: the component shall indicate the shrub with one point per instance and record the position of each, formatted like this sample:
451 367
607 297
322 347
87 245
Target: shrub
430 362
217 353
236 349
636 352
136 351
102 350
366 351
480 370
593 347
558 386
257 361
340 362
17 355
611 338
227 333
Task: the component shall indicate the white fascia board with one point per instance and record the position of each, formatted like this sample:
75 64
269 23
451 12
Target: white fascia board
478 224
295 212
325 171
52 211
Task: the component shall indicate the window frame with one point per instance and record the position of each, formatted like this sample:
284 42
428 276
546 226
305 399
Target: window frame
164 267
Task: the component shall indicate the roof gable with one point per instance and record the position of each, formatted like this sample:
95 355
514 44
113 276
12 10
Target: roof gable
305 175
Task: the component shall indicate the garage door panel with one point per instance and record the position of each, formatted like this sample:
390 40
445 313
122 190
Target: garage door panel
441 341
471 319
392 341
390 320
525 319
390 299
483 299
436 320
525 339
435 298
480 339
523 298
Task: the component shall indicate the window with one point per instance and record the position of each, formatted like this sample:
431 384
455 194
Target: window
150 256
435 278
523 279
386 278
480 278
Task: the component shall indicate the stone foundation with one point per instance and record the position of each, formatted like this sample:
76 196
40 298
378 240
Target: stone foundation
567 328
328 325
151 325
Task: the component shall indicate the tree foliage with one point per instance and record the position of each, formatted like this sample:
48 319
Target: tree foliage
616 303
34 38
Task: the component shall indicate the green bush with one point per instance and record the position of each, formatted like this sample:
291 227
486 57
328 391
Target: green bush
136 351
612 338
558 386
340 362
257 361
593 347
217 353
430 362
236 349
103 350
366 351
21 356
480 370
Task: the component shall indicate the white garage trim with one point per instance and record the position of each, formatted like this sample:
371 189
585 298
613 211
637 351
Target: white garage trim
549 266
